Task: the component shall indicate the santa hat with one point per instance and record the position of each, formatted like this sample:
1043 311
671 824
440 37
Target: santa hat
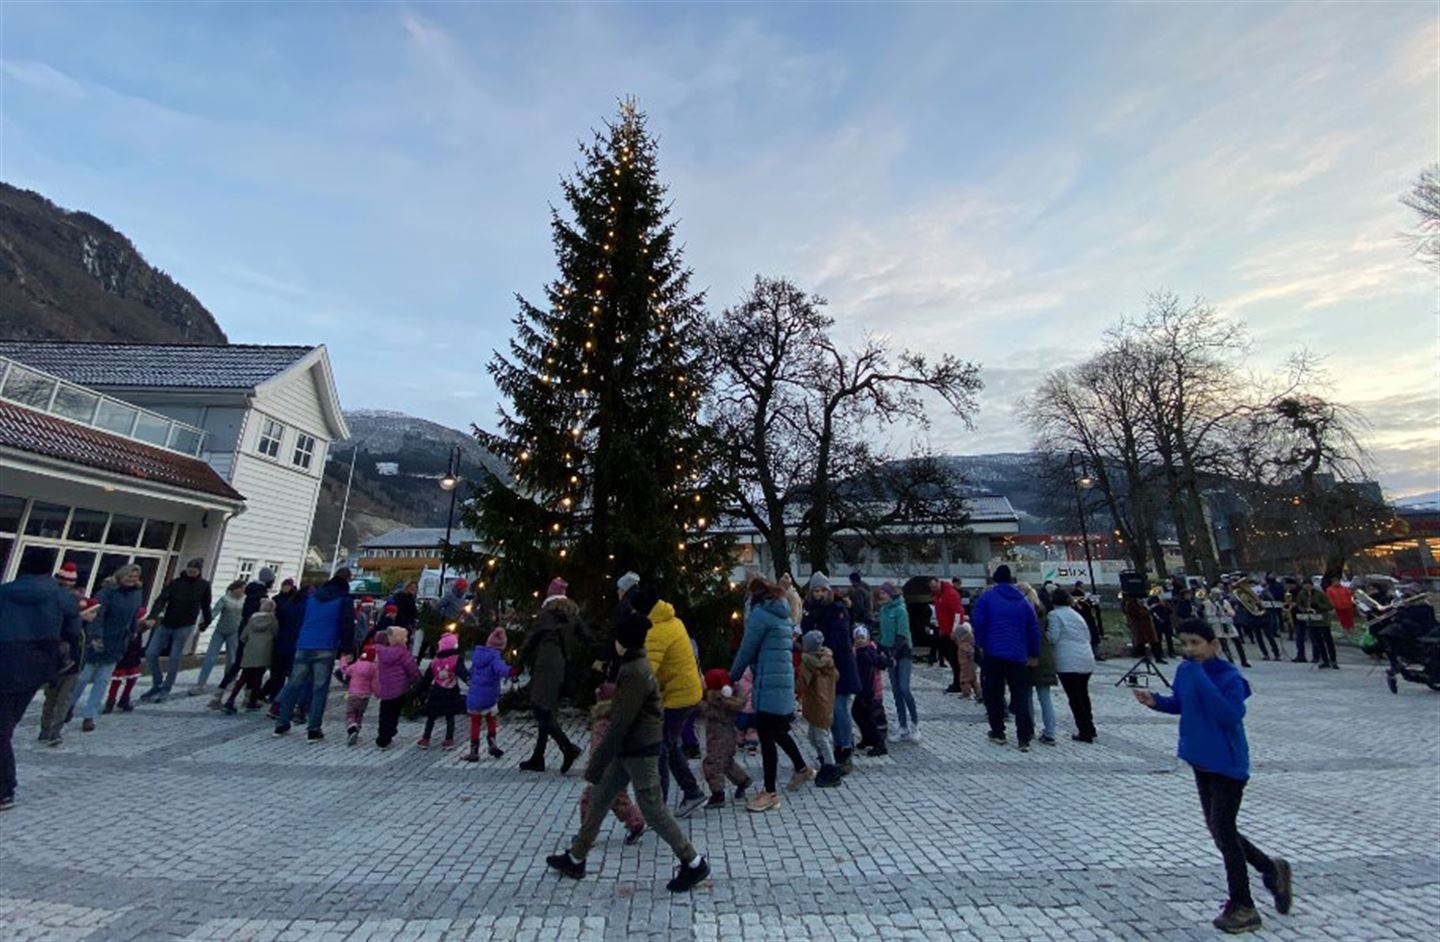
557 586
497 639
368 600
392 609
68 573
461 585
717 678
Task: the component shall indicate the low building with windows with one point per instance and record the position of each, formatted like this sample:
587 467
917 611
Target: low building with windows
261 418
410 546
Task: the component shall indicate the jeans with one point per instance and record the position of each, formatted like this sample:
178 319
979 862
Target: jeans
1220 798
997 675
171 641
310 677
1077 691
900 670
13 704
643 773
843 729
774 730
98 676
672 756
1047 711
212 654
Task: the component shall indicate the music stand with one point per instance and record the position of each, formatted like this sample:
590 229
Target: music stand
1139 675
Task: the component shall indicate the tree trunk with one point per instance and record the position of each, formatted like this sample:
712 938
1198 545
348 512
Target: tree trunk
818 539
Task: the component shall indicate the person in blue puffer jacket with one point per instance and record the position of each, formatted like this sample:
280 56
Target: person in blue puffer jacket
765 649
1209 698
328 627
1007 633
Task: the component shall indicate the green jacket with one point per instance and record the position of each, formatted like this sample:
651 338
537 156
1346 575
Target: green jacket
894 625
1043 674
636 716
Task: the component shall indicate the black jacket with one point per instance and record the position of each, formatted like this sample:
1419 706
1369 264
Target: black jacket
183 602
35 616
255 593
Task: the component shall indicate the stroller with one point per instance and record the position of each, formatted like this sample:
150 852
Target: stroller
1409 637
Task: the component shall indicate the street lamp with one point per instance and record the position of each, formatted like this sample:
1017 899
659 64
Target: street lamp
450 483
1083 483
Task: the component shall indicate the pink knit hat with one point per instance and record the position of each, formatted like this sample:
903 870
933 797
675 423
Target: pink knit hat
497 639
557 586
448 642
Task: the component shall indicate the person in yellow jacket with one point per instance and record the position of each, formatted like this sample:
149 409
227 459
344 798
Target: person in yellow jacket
667 645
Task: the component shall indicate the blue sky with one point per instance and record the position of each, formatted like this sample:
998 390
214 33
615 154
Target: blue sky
1000 181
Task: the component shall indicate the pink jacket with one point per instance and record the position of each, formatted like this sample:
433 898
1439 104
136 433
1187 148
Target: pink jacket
361 677
396 671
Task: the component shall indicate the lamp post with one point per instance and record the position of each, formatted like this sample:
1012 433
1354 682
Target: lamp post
1083 483
450 482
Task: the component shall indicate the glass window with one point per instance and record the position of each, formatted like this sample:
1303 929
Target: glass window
74 403
270 434
152 428
109 562
157 534
46 555
171 565
304 451
6 545
124 531
179 538
246 571
115 417
87 526
11 510
84 561
28 388
47 520
148 567
185 439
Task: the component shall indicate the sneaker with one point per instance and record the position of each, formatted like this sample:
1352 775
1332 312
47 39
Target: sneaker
88 726
829 777
352 737
1237 919
1024 747
903 735
281 729
805 775
1047 740
447 745
564 865
381 745
570 758
877 750
495 751
532 765
842 761
53 741
229 709
915 733
996 740
424 743
1280 886
126 706
7 802
197 690
161 697
314 735
633 835
215 703
152 694
717 800
687 878
688 805
1078 738
764 801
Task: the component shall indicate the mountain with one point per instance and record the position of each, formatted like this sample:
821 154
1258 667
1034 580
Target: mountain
69 276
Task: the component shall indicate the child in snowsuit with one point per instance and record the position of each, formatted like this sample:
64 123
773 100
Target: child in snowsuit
127 669
359 677
745 719
868 710
622 806
487 670
442 683
395 673
257 643
721 705
965 644
818 677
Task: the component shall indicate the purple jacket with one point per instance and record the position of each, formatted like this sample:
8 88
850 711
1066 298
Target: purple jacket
487 670
396 671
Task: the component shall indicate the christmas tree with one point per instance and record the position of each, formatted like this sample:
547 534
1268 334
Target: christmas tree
610 465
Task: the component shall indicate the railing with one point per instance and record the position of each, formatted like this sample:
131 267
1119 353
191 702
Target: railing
38 390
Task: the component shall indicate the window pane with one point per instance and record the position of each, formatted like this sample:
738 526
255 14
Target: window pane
148 567
11 510
124 531
45 554
110 562
87 526
84 561
115 417
180 538
185 439
152 429
157 534
47 520
6 544
76 404
27 388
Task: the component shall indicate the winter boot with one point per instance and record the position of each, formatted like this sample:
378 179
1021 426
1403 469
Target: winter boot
474 754
495 751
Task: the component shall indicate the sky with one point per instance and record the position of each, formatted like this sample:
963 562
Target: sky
1002 182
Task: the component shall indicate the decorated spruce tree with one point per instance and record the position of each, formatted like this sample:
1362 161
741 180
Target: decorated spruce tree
610 466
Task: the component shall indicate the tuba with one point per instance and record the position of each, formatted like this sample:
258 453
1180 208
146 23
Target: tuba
1249 600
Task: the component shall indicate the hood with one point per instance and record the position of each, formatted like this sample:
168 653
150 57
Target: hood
1007 591
820 658
778 607
330 591
663 611
31 591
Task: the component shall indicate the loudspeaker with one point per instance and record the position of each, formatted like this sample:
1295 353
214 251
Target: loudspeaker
1133 585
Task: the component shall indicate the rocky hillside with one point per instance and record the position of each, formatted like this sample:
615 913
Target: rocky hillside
69 276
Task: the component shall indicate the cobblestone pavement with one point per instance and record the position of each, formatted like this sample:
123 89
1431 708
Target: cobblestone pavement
175 822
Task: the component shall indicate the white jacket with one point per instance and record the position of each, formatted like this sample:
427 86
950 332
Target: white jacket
1070 636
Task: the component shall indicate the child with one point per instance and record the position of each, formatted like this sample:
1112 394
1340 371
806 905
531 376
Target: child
622 807
127 669
1210 698
359 679
745 719
721 705
868 709
257 643
965 645
818 676
395 673
629 753
487 670
442 681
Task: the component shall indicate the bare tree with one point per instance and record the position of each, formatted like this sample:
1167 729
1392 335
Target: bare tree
1424 199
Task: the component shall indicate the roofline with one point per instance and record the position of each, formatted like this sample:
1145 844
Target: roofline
82 474
136 343
318 359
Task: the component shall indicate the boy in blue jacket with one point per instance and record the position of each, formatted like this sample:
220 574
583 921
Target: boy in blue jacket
1209 698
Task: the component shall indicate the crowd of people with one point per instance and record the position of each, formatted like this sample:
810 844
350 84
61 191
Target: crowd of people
823 659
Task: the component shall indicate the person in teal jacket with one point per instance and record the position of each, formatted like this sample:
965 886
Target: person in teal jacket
765 647
896 640
1209 698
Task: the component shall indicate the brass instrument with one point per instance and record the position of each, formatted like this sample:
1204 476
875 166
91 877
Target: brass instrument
1249 600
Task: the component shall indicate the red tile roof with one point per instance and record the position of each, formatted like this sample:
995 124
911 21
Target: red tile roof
53 437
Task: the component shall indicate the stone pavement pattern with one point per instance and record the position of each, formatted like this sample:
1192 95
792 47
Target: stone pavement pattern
175 822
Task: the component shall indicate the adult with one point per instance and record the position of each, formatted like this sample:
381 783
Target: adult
229 612
1312 612
765 651
896 640
289 612
1007 632
327 628
1144 641
825 614
949 612
1162 613
106 639
624 588
860 611
1343 601
453 605
1042 672
36 617
1252 618
1080 602
544 653
673 661
407 606
181 605
1074 661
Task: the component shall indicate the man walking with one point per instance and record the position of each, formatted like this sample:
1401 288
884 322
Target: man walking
183 603
36 615
1007 631
327 629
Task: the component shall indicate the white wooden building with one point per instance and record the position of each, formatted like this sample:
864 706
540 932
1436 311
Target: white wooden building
265 416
